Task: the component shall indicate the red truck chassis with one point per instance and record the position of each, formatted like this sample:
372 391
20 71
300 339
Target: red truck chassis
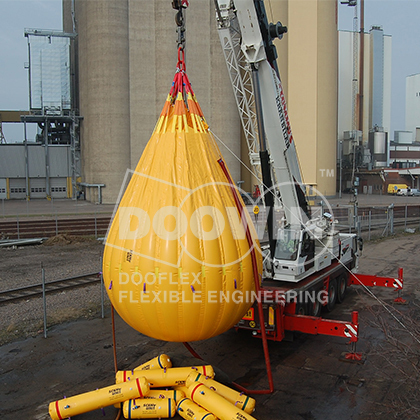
285 310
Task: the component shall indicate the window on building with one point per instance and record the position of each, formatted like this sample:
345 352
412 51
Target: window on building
58 189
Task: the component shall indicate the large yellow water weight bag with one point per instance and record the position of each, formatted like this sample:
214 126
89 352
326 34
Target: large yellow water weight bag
177 263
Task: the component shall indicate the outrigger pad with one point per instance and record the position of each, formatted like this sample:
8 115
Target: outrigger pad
350 357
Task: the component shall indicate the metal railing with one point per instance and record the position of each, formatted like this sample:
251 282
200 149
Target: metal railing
381 220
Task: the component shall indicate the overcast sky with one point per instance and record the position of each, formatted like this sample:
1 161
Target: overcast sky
399 18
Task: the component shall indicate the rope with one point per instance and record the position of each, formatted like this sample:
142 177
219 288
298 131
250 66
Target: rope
114 342
114 347
257 288
271 11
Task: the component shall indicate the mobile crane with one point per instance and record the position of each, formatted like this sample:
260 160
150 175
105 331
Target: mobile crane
306 256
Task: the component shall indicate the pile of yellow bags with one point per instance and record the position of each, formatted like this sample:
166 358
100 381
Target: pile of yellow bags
156 390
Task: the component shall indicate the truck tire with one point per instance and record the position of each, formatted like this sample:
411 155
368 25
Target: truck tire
332 295
301 308
341 287
315 308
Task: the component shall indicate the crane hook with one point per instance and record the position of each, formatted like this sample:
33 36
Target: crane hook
180 5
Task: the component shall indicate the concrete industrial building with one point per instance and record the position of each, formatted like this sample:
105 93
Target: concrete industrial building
125 62
376 86
405 149
125 57
404 154
368 148
46 166
412 106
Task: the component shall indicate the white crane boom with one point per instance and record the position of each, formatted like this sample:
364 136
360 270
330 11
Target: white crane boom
302 245
239 19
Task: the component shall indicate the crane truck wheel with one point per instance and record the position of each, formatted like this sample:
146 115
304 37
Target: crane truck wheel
301 308
332 295
315 308
341 288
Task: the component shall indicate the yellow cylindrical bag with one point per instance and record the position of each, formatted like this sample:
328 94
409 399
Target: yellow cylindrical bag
89 401
173 394
181 388
239 399
215 403
160 378
189 410
145 408
160 362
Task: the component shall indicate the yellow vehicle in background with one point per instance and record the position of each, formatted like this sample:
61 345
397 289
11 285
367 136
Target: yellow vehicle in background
394 188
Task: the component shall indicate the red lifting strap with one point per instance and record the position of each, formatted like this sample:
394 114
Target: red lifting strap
181 59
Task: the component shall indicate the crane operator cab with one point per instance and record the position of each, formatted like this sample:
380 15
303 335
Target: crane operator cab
294 254
300 252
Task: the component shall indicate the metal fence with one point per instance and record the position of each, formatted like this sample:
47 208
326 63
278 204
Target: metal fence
378 220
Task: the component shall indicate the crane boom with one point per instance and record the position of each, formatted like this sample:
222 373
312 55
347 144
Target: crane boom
302 245
259 54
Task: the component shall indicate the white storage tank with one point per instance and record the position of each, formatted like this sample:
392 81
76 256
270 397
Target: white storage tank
378 145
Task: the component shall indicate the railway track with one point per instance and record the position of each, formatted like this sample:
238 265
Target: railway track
26 229
26 292
98 226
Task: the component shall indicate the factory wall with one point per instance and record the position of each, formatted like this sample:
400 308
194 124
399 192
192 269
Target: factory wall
308 66
18 174
412 104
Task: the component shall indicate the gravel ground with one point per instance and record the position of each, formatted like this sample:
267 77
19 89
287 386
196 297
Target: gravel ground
61 258
311 383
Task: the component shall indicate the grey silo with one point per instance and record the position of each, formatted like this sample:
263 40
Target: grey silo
127 55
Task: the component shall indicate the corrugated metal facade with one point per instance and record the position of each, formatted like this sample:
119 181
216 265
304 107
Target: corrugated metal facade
12 161
17 188
59 187
59 161
3 191
13 167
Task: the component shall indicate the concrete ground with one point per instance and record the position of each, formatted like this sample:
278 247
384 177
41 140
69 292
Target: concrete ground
311 383
37 207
